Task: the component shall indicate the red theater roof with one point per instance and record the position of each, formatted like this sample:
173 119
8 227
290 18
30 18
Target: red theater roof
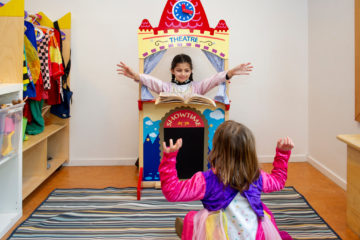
199 21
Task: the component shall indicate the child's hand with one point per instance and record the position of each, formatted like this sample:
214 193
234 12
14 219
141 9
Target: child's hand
242 69
127 71
285 144
172 147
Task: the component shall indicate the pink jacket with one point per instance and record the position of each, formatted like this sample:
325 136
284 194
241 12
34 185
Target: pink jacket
194 188
199 87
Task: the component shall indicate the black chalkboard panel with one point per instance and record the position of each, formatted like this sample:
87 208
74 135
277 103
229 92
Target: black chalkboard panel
190 158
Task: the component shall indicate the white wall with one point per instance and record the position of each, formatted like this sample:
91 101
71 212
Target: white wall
272 34
331 84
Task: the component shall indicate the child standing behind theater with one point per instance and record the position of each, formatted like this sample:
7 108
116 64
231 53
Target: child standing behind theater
181 77
230 191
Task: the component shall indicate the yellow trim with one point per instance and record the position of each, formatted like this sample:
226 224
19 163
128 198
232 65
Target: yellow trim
224 218
267 214
150 43
65 21
45 21
14 8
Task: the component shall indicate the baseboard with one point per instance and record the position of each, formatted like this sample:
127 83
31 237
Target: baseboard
327 172
102 162
262 159
131 161
293 158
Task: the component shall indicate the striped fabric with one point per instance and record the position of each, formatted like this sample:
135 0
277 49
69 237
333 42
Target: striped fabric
26 79
116 214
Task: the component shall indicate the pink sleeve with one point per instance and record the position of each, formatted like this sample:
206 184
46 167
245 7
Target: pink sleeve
276 180
154 84
174 190
206 85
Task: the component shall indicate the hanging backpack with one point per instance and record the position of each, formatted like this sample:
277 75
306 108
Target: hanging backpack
62 110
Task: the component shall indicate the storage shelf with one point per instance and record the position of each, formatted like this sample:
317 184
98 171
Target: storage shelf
352 140
7 158
56 163
6 88
30 184
35 139
7 220
11 88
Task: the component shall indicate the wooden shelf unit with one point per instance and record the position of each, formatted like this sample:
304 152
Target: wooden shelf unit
54 140
22 172
35 139
353 180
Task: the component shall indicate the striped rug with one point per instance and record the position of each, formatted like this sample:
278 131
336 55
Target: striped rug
115 214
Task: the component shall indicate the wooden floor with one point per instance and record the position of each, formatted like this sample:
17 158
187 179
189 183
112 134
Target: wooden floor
324 196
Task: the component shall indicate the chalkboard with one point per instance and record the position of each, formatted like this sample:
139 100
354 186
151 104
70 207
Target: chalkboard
190 158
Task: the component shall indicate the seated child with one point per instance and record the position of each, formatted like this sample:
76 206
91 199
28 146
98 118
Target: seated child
231 190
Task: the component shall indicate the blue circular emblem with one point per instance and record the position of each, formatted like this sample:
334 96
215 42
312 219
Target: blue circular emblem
183 11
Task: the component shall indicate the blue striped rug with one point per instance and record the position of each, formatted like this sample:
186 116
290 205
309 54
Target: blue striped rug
113 213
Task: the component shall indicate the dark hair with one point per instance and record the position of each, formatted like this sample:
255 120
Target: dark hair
233 155
181 58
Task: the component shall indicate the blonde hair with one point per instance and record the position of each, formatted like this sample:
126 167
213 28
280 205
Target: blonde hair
233 155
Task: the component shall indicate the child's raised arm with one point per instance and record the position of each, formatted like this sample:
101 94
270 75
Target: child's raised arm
242 69
125 70
151 82
174 190
172 147
276 180
206 85
285 144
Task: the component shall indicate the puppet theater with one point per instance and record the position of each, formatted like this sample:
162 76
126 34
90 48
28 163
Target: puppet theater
183 24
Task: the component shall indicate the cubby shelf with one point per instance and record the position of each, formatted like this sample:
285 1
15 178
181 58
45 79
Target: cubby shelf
31 183
35 139
52 144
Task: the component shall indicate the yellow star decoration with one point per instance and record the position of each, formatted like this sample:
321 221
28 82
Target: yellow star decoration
148 139
211 125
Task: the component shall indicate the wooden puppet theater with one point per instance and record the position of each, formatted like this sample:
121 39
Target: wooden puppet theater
183 24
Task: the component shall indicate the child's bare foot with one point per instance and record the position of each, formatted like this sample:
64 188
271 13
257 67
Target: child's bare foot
179 226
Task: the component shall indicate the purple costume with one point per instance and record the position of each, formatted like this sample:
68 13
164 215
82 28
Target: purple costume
206 186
